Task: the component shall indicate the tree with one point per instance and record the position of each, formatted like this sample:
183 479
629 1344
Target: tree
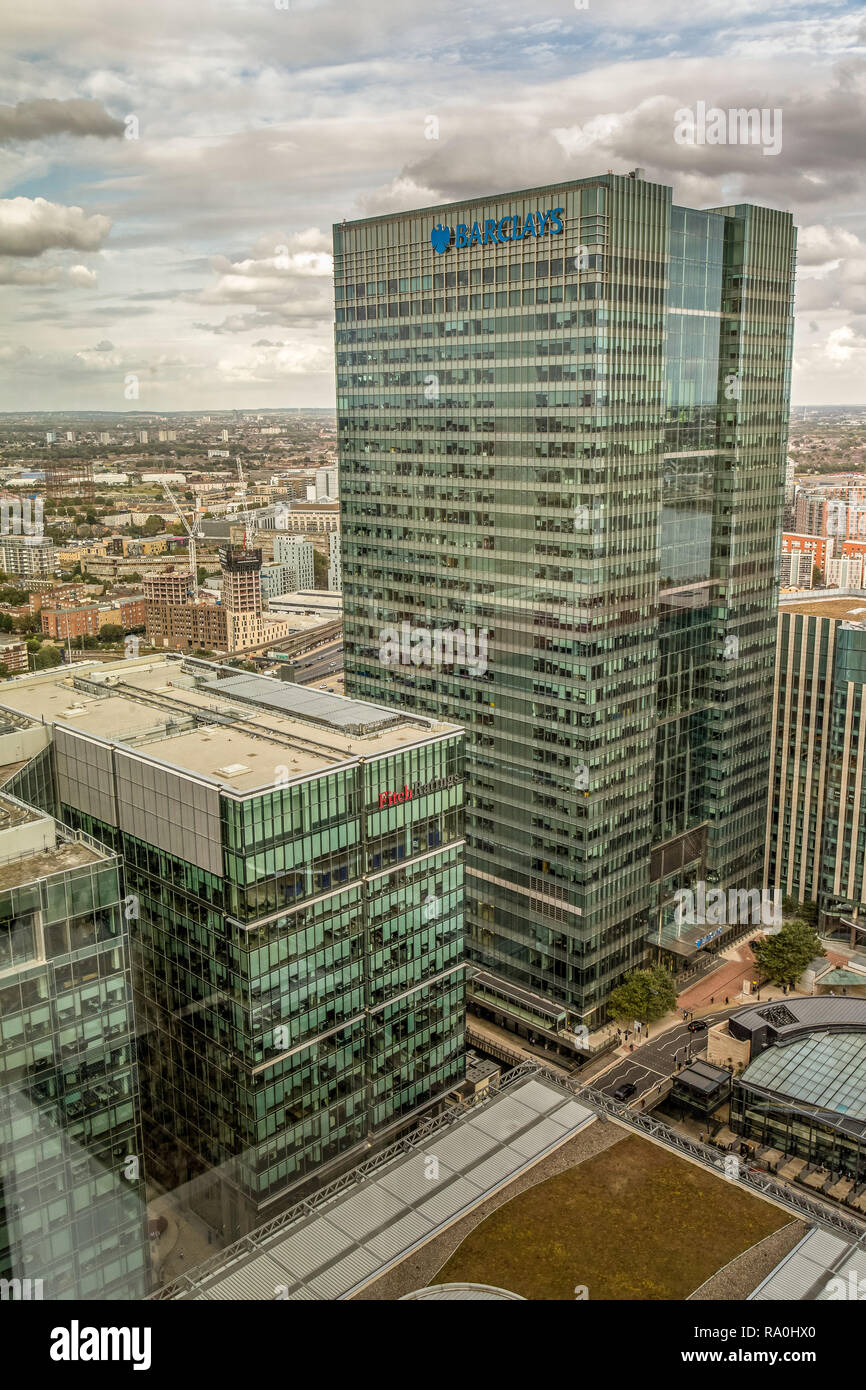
320 570
644 995
154 526
47 656
783 957
4 670
817 577
111 632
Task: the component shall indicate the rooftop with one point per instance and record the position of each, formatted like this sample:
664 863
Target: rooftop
824 1070
351 1233
852 609
241 732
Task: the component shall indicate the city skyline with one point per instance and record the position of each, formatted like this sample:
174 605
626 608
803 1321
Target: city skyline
165 213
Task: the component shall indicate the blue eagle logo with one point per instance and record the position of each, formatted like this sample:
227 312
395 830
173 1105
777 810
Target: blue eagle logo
440 238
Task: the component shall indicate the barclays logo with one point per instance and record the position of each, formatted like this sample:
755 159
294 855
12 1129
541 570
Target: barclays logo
536 224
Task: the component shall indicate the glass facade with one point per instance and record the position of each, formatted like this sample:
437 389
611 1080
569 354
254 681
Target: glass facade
309 997
568 449
72 1208
816 831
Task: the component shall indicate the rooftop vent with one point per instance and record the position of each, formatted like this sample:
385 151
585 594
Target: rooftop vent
232 769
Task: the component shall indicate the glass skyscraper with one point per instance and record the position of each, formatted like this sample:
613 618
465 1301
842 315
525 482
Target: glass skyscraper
816 825
72 1201
562 419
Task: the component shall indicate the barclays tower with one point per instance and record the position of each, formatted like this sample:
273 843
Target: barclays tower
562 420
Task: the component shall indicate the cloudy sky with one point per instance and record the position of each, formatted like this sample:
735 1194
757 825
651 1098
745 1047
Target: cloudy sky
171 172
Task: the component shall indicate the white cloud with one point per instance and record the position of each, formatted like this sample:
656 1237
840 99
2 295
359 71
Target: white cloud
29 226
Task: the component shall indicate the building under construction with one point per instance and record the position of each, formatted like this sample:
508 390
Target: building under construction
177 621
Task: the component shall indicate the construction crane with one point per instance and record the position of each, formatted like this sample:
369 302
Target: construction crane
246 516
193 532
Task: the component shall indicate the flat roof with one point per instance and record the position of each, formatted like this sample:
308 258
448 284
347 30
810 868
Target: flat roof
805 1272
12 813
238 732
64 855
361 1230
851 609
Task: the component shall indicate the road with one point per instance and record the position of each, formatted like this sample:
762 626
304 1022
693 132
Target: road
656 1060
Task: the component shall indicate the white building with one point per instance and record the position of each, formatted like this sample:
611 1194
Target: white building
298 553
326 485
335 564
28 556
844 572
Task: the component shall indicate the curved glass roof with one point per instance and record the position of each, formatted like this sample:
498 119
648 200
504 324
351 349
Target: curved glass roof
823 1069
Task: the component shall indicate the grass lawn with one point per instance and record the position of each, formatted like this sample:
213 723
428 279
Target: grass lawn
634 1222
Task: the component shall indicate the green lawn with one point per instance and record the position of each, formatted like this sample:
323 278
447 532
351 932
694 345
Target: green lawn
634 1222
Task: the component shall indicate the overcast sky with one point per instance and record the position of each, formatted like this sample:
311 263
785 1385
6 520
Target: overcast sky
196 256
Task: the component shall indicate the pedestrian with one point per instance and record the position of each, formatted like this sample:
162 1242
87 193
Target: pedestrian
727 1000
712 999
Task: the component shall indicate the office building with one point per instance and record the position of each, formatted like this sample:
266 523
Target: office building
295 551
562 424
816 824
296 860
72 1204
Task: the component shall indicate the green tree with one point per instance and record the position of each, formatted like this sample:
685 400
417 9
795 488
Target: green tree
783 957
320 570
154 526
4 670
47 656
111 632
644 995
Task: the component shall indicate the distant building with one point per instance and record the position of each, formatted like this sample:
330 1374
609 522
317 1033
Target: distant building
796 570
27 556
326 484
298 553
819 548
278 579
15 657
816 828
63 623
335 567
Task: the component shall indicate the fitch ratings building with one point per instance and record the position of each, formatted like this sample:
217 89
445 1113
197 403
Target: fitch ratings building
562 420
